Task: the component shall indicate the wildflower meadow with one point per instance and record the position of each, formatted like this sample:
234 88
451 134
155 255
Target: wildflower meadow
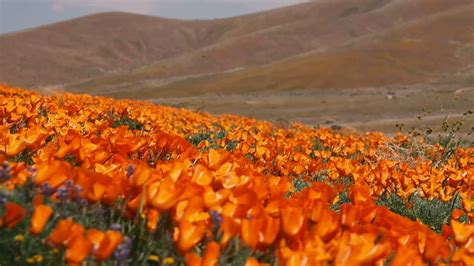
88 180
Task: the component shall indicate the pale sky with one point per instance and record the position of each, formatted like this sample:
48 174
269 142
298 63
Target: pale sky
22 14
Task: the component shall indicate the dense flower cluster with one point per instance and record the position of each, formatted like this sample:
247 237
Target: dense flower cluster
308 196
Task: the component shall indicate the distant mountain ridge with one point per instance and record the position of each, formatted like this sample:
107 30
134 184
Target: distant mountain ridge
321 44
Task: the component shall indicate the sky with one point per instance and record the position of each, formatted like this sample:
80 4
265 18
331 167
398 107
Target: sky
22 14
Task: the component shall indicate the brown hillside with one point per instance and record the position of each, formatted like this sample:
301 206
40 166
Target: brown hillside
424 50
93 45
124 51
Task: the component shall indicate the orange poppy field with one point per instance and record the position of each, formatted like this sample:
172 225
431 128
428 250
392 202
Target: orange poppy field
87 180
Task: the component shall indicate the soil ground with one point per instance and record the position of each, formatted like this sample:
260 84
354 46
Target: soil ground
369 109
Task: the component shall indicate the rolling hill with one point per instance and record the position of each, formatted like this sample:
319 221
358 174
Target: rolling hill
407 54
317 44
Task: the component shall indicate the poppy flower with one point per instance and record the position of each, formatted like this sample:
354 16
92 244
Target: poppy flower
317 210
167 195
216 158
462 232
60 232
134 203
41 214
269 230
189 234
192 258
407 256
436 249
15 145
229 228
78 250
97 192
202 176
108 244
14 214
152 220
38 199
211 254
95 237
47 170
75 231
251 261
250 230
292 219
349 215
215 198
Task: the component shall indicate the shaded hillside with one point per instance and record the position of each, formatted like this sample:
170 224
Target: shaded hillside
93 45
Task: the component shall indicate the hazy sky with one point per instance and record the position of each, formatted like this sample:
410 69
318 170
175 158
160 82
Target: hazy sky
21 14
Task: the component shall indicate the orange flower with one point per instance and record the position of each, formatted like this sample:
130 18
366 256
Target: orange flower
360 195
111 240
152 221
292 219
406 256
97 192
40 217
202 176
78 250
95 236
360 249
251 261
189 234
14 214
215 198
48 170
229 228
327 225
61 232
167 195
15 145
462 232
75 231
211 254
65 233
349 215
250 231
216 158
38 199
192 258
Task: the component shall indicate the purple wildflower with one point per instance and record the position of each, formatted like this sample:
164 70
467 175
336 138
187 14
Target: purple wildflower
102 212
5 171
116 227
122 252
3 197
216 220
82 201
46 189
130 170
62 193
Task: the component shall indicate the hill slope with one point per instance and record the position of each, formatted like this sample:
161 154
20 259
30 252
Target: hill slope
115 52
407 54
